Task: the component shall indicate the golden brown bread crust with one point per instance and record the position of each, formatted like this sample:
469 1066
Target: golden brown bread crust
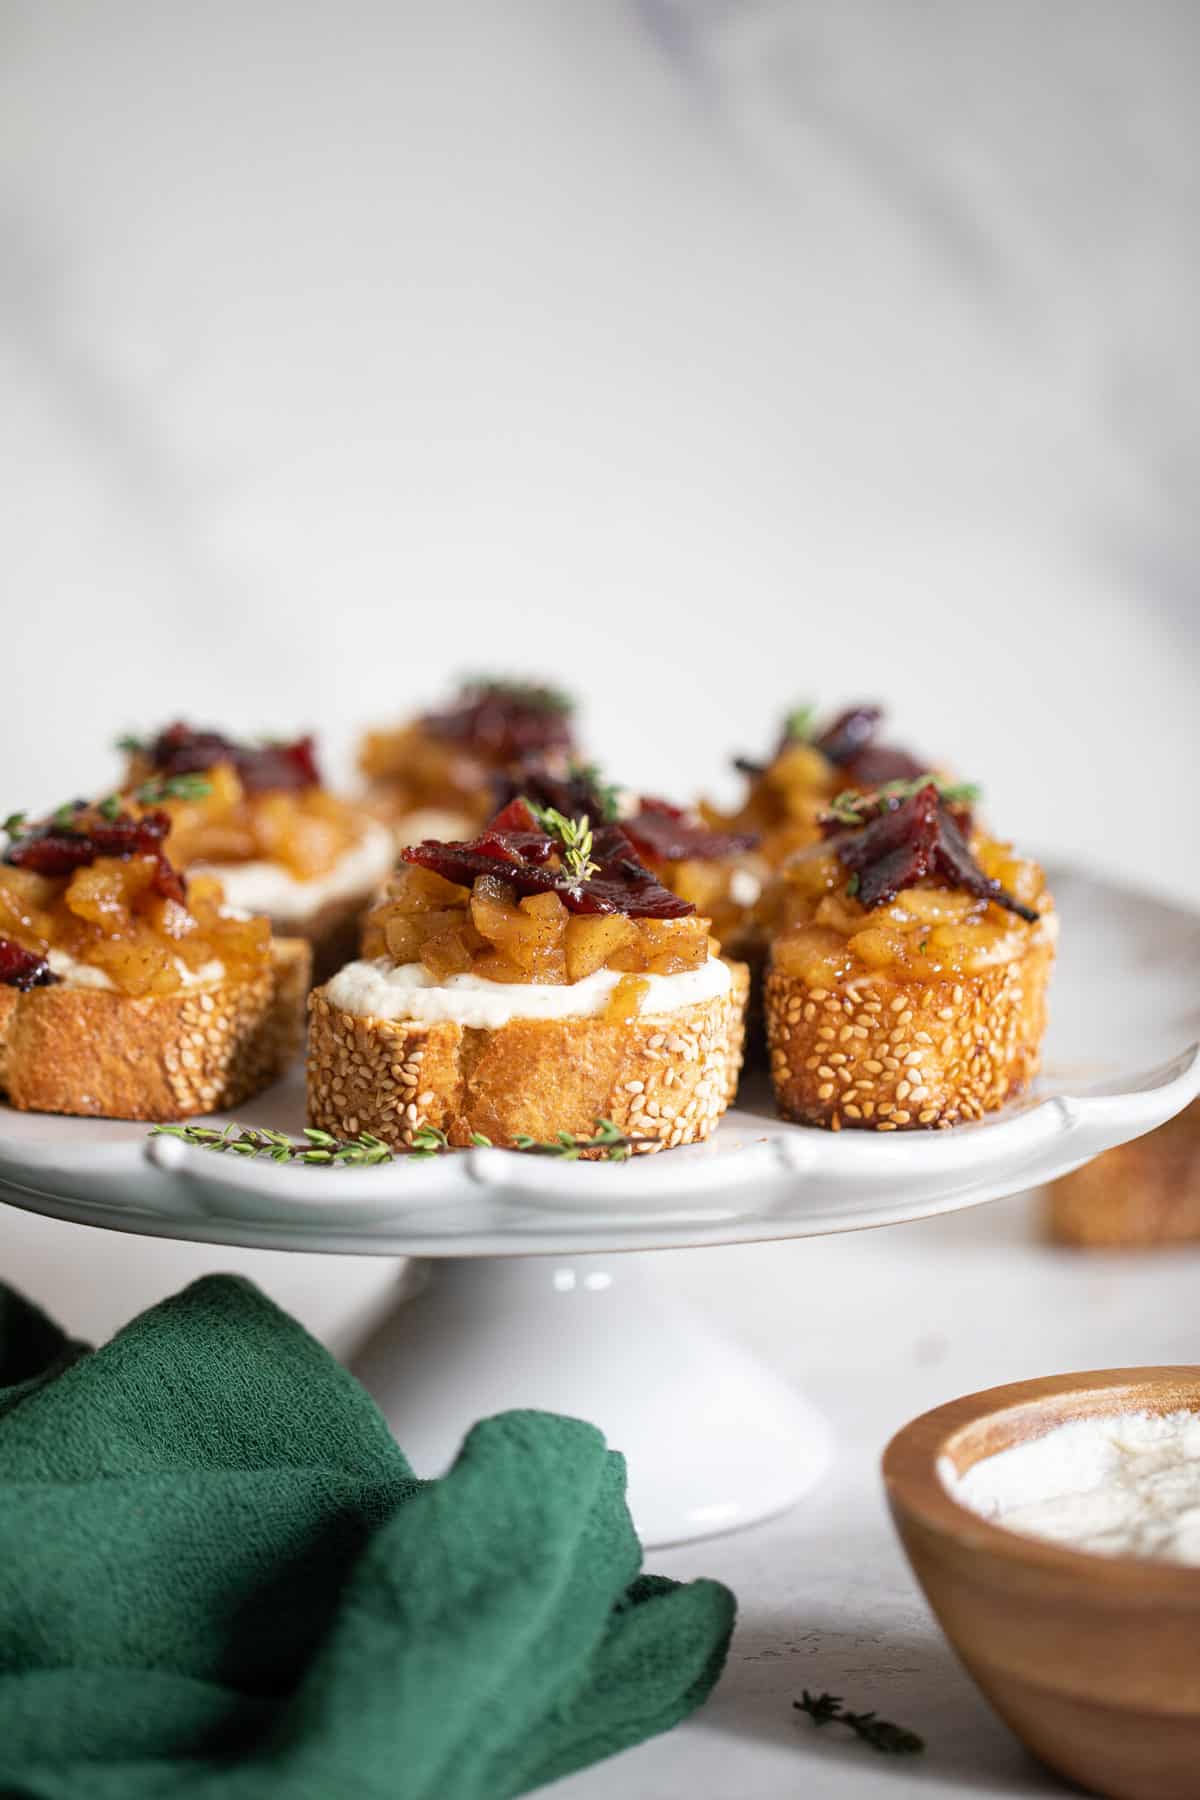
669 1077
165 1056
1143 1194
886 1056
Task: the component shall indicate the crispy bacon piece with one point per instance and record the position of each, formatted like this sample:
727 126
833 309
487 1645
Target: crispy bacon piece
23 969
514 848
59 847
672 834
849 744
849 734
261 768
504 720
903 840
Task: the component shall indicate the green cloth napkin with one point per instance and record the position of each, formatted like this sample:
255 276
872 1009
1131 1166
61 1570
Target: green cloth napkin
219 1577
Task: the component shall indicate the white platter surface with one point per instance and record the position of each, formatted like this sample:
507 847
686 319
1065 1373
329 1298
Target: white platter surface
1122 1056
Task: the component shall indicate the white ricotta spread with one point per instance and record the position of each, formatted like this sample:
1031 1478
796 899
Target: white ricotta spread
385 990
73 973
1127 1484
255 888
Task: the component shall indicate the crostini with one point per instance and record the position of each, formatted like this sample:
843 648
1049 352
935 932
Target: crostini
126 991
1145 1193
434 777
281 843
906 986
528 983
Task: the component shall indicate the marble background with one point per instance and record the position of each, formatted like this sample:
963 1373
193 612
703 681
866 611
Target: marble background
705 354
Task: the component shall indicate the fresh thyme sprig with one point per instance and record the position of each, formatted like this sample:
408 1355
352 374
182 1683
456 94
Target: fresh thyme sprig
315 1146
614 1144
575 837
172 787
880 1734
850 808
131 745
259 1140
798 726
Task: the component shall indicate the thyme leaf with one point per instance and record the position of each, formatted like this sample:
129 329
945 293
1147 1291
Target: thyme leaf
172 787
880 1734
575 837
798 726
130 744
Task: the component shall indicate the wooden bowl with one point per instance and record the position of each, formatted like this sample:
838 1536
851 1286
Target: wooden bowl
1094 1661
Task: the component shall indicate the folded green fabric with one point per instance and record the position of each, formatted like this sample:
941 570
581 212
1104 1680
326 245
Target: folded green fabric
219 1577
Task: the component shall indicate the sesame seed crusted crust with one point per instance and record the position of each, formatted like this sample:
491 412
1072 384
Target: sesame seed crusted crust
881 1055
95 1053
669 1076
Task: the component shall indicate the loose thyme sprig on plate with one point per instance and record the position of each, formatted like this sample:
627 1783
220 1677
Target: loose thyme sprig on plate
574 835
850 807
880 1734
614 1145
259 1140
364 1150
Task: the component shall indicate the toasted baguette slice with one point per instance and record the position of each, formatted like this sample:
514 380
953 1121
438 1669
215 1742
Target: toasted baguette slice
668 1077
1145 1193
165 1056
881 1055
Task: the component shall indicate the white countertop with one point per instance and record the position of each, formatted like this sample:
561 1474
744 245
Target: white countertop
877 1326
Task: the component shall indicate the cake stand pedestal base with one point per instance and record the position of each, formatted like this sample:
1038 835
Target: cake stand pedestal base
714 1440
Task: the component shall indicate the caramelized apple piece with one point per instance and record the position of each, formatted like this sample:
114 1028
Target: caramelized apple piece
421 890
446 954
591 939
104 893
625 1001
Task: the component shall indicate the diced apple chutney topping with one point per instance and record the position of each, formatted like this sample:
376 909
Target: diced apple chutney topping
704 865
807 768
269 767
902 890
259 802
527 902
447 759
96 884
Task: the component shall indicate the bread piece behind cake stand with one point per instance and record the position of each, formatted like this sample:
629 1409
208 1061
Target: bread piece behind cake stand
527 1289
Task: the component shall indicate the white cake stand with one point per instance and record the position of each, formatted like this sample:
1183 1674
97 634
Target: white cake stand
525 1293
